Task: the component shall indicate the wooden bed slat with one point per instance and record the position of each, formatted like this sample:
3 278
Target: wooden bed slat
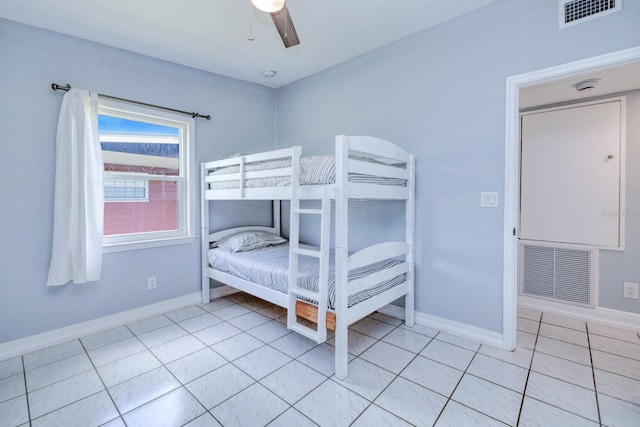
310 312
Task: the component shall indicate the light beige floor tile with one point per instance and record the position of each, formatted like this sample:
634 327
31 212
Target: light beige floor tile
609 332
237 346
617 386
293 381
96 409
124 369
570 397
62 393
195 365
373 328
527 313
376 416
433 375
143 389
448 354
618 413
254 405
217 386
489 398
11 367
366 379
411 402
292 417
12 387
345 405
539 414
554 319
407 339
614 346
563 369
564 334
617 364
457 415
52 354
173 350
172 409
502 373
388 356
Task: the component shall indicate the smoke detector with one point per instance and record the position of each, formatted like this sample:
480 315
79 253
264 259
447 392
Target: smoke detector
587 84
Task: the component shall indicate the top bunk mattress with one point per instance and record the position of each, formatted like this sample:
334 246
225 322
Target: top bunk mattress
314 170
269 267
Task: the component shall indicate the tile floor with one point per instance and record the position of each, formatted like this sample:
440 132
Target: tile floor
232 362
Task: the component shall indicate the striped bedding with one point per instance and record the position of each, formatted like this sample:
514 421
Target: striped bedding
314 170
269 267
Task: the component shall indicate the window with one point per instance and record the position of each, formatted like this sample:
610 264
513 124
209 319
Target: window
148 174
122 190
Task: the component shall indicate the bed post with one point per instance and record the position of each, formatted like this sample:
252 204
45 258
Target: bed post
276 217
409 300
341 254
204 234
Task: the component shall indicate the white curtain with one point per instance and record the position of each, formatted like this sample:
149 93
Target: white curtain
78 215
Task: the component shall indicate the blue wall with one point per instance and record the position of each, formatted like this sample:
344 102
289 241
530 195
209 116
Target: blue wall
441 95
30 60
617 267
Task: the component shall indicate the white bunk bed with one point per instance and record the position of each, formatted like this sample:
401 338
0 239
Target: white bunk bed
365 168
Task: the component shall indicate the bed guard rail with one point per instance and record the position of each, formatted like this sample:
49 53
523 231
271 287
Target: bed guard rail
231 174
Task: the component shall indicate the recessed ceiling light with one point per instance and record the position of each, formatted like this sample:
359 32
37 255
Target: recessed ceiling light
269 73
587 84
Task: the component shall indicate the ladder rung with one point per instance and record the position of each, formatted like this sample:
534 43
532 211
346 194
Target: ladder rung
305 293
308 211
306 331
308 252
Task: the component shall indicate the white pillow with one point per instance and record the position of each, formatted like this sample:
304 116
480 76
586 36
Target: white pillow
249 240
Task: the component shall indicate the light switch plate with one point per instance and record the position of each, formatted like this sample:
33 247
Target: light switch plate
488 200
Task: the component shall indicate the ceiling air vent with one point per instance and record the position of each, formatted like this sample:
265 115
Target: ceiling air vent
578 11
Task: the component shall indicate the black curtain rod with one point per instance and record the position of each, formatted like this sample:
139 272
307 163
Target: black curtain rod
67 87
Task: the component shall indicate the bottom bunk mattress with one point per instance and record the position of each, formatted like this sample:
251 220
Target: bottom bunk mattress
269 267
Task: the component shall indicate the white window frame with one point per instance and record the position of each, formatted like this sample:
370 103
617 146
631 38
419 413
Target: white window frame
185 180
115 177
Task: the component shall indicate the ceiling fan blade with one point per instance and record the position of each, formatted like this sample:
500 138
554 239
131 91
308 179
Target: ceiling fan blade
284 24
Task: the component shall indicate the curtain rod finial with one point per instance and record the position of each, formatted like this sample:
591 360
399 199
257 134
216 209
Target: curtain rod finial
56 86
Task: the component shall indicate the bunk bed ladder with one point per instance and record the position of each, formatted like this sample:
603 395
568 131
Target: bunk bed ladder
319 334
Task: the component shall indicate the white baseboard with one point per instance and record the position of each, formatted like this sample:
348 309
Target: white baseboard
31 343
222 291
604 316
473 333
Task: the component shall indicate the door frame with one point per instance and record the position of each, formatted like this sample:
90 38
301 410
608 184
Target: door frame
512 169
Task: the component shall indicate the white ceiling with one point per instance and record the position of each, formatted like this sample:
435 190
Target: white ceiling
212 34
617 79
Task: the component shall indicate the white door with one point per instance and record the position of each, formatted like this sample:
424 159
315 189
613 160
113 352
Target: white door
570 175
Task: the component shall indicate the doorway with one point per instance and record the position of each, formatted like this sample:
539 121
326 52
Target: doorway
514 86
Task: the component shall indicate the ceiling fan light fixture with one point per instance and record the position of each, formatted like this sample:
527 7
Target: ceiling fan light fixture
268 5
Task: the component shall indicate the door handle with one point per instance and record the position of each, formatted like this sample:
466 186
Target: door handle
610 156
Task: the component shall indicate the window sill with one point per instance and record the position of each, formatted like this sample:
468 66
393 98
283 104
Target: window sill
146 244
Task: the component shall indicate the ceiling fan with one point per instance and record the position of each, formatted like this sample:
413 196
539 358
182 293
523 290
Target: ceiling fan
281 19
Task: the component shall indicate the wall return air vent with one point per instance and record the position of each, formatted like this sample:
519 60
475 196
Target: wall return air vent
577 11
558 274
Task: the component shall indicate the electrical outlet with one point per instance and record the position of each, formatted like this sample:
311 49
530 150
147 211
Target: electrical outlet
630 290
152 282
